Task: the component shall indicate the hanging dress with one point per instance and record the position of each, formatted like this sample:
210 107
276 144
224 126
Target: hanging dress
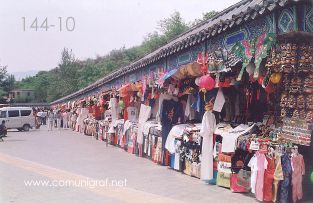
278 176
268 179
298 170
286 183
262 166
207 128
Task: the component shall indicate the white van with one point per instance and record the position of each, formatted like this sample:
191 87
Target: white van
20 118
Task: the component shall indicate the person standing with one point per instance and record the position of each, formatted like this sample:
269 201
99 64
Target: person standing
39 117
44 117
65 119
55 111
74 119
69 117
3 131
59 118
50 120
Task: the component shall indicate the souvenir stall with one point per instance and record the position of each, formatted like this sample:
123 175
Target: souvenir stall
260 121
90 123
91 127
106 119
151 132
129 108
236 118
262 156
184 145
231 104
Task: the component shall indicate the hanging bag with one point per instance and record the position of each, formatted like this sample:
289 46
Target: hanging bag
223 179
244 178
234 187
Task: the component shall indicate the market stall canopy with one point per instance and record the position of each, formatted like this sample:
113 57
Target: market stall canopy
185 71
169 74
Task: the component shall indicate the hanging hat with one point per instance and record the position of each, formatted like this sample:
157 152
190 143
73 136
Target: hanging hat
194 69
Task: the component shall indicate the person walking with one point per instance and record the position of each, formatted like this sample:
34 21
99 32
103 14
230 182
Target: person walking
50 120
3 130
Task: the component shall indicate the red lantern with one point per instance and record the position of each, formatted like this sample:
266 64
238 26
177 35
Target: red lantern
206 82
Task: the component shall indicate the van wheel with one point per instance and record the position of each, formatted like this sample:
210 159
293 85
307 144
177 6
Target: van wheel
20 129
26 127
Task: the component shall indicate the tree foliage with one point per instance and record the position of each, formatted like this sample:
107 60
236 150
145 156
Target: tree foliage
7 83
72 74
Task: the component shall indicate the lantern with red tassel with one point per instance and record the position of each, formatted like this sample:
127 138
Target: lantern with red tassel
206 82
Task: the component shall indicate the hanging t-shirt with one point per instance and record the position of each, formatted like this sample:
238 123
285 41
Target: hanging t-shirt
144 115
132 113
162 98
171 112
176 132
190 112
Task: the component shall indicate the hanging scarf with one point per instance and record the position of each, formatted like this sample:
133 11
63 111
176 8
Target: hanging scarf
256 48
222 60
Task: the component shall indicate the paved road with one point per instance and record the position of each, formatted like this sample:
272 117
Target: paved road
60 156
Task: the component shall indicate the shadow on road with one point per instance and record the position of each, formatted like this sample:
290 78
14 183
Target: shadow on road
4 140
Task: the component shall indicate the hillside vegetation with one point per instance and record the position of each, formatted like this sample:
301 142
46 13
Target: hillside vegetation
72 74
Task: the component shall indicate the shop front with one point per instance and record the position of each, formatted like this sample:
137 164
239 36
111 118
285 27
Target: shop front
231 105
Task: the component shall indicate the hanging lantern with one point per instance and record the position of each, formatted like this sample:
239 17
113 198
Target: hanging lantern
275 78
206 82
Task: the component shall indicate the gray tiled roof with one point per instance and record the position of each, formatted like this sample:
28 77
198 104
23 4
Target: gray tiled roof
236 14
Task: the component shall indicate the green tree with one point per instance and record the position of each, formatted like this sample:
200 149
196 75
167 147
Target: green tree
205 17
72 74
7 83
172 26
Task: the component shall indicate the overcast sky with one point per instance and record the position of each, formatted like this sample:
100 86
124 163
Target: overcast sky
100 26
